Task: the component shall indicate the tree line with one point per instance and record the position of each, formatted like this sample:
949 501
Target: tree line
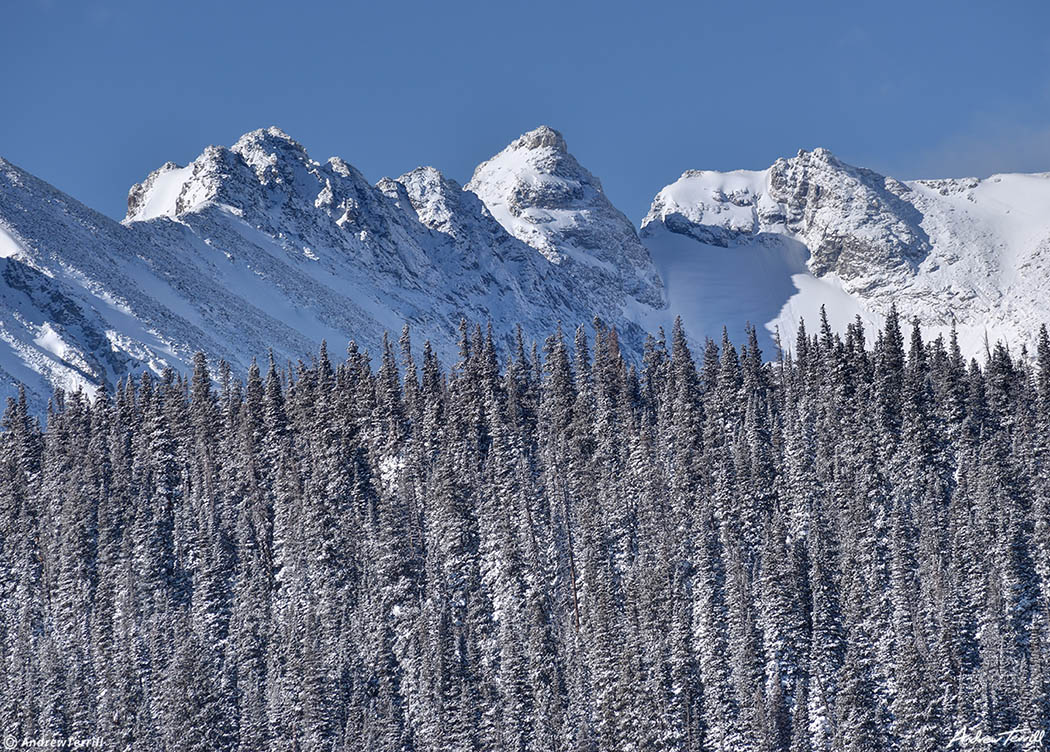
844 548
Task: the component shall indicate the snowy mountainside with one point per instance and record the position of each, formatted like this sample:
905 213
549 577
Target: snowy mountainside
258 246
85 300
541 195
812 231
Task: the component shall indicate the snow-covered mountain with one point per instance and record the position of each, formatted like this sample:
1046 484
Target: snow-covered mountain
775 245
258 247
541 195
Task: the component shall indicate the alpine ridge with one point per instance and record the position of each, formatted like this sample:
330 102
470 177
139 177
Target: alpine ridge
776 245
257 248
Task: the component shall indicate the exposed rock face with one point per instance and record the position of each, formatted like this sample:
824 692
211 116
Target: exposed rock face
855 222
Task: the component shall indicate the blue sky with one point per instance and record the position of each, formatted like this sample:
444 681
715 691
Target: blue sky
95 94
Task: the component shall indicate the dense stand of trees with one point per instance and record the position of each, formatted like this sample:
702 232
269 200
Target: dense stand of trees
844 549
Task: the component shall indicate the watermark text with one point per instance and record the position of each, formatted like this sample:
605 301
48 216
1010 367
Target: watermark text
1016 738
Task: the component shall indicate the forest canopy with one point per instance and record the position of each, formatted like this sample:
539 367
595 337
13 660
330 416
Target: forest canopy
846 547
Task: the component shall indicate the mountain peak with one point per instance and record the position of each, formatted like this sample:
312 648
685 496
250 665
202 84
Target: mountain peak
268 136
261 157
821 155
542 196
264 149
853 220
543 137
818 151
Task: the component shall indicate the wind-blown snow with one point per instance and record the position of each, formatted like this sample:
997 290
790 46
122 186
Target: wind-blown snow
50 340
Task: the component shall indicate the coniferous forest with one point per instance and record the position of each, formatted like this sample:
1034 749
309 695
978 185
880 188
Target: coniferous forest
549 547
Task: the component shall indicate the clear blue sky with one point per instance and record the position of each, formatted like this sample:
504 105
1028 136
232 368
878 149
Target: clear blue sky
96 93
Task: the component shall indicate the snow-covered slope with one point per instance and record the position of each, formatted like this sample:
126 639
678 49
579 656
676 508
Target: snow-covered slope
84 300
258 246
812 230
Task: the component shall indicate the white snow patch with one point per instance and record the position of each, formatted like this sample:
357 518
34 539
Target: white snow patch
163 194
50 340
812 294
389 469
711 287
9 247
